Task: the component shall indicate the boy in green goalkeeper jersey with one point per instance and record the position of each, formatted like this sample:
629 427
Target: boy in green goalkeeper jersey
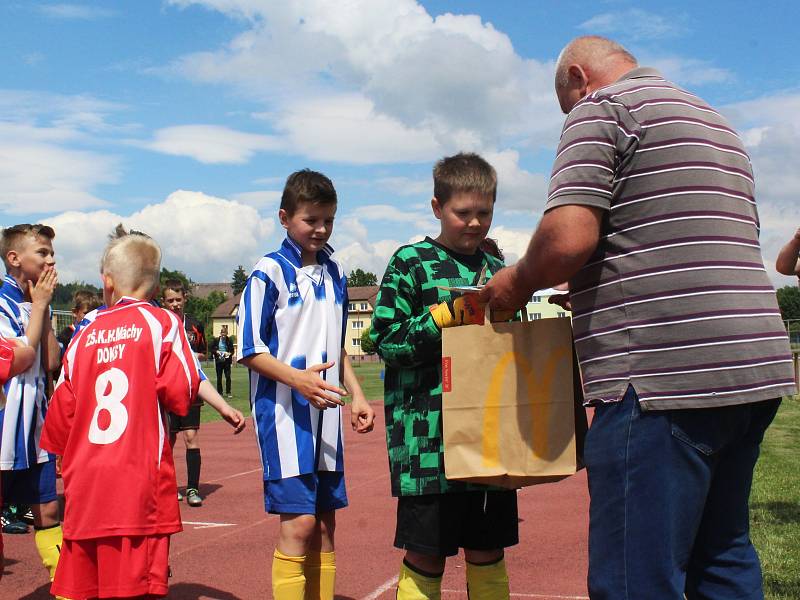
436 517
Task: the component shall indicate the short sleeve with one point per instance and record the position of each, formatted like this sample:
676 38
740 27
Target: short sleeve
256 314
596 134
60 415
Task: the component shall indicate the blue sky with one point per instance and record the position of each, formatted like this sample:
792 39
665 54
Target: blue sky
183 117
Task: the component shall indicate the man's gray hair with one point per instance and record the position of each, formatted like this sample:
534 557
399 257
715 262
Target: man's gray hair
591 51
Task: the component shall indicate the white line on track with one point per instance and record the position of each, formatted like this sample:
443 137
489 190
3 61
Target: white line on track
523 595
384 587
234 475
204 525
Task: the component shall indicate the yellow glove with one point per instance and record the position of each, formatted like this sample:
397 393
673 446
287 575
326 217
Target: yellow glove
464 310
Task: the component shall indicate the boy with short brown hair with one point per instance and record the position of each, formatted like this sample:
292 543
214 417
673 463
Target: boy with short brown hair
436 517
28 472
291 327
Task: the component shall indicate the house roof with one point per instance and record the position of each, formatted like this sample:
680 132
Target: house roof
226 308
367 292
202 290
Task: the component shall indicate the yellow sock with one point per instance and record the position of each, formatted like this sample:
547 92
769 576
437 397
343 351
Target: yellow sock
487 582
413 585
288 578
320 575
48 543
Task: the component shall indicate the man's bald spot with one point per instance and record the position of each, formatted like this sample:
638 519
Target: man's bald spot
593 53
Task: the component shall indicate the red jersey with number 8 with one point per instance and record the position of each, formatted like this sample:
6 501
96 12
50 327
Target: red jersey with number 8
107 418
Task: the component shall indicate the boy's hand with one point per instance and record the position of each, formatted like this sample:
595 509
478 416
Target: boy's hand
42 292
233 417
314 388
561 300
362 415
463 310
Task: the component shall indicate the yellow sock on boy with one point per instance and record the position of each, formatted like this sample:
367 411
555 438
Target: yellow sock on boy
288 578
414 585
48 542
320 575
487 582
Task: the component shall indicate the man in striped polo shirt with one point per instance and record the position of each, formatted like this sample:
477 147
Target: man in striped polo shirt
651 216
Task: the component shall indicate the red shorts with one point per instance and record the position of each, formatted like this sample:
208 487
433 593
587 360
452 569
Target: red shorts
113 567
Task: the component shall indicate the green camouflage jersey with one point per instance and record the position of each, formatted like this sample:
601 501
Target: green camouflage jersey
410 343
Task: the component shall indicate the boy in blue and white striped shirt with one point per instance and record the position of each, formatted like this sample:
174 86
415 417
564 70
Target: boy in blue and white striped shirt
28 472
291 321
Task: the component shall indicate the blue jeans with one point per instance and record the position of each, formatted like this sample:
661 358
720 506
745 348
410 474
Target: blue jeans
669 501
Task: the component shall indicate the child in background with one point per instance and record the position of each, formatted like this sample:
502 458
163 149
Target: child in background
83 301
292 318
107 419
436 517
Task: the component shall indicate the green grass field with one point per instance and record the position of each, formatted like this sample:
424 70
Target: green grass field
775 501
775 505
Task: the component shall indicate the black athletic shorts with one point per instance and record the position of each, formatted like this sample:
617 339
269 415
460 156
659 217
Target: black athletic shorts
190 421
440 524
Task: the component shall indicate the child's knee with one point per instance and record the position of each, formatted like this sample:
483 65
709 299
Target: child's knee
298 528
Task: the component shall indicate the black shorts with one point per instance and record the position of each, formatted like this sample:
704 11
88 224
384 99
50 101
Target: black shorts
190 421
440 524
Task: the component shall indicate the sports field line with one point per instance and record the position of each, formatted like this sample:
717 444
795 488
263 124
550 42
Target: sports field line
382 588
523 595
207 525
233 476
219 537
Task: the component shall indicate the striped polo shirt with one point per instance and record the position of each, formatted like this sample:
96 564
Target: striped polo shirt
675 299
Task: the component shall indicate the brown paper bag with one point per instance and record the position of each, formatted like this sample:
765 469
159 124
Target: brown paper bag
509 403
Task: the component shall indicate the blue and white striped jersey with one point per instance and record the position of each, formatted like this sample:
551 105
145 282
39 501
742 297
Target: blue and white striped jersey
22 419
297 314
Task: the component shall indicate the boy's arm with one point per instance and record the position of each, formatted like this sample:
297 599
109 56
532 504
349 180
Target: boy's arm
39 323
15 358
308 382
788 261
404 331
60 415
362 415
210 396
178 377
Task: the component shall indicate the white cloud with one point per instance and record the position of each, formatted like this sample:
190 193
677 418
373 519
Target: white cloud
379 81
637 24
393 214
405 186
204 236
513 242
688 71
75 11
40 176
518 190
210 144
259 198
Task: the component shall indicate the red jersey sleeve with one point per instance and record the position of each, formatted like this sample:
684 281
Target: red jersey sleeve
6 359
178 379
60 416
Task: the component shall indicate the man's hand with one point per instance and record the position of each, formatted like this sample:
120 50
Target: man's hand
504 291
42 292
362 415
463 310
312 387
234 418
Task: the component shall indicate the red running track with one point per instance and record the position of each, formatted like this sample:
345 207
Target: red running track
225 550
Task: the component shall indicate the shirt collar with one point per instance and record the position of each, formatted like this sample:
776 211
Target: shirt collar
12 289
292 251
640 73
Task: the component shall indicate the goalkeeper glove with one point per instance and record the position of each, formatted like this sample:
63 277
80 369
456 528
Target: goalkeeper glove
463 310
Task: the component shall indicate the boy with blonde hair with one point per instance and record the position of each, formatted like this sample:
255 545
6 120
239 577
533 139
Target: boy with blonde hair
107 418
436 517
28 472
292 317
